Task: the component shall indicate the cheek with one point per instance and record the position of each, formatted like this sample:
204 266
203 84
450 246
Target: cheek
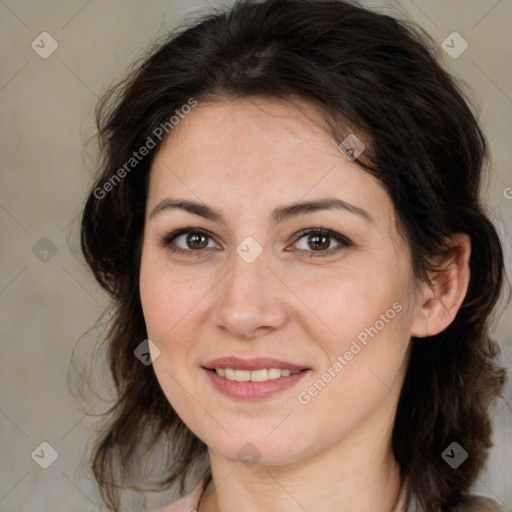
364 363
166 300
364 335
174 312
346 303
167 306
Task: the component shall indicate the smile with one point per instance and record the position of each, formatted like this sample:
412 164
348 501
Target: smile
270 383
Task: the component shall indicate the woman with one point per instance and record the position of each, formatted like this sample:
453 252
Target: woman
288 221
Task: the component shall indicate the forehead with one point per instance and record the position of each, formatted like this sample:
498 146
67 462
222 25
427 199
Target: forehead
256 153
254 132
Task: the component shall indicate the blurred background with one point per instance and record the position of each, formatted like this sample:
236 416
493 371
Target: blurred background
58 57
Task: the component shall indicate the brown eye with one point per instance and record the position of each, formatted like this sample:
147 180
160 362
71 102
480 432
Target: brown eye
320 240
197 241
187 241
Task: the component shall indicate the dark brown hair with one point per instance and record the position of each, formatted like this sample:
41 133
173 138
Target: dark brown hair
369 74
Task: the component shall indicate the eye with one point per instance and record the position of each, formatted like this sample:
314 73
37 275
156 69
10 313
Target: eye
192 241
319 240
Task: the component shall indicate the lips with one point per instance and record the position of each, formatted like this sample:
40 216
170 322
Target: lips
249 389
257 363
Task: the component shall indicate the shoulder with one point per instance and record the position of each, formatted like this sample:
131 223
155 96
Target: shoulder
187 503
476 503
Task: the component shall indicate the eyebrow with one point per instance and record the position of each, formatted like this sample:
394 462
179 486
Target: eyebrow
279 214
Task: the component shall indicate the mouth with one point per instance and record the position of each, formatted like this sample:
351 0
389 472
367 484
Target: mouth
250 379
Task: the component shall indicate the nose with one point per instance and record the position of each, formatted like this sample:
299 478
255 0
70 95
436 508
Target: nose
250 300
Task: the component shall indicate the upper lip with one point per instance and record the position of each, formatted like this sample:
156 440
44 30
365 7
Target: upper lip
255 363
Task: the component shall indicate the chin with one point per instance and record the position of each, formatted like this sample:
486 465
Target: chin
257 449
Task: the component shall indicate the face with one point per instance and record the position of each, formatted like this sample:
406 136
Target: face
310 309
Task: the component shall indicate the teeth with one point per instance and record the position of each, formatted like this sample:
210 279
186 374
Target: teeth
274 373
259 375
255 375
242 375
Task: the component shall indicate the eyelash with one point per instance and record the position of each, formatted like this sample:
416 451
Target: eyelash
343 241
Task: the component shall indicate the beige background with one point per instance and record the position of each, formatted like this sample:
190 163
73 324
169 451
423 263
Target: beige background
46 112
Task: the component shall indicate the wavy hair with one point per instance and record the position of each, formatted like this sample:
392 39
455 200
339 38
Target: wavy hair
366 73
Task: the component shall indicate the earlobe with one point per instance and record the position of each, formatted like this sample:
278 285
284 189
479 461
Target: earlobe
445 292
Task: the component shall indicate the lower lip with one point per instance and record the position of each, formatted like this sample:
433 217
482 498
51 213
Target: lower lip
253 390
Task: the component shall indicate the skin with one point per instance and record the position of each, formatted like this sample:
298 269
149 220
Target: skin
244 158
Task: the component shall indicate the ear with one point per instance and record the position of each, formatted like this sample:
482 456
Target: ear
443 295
